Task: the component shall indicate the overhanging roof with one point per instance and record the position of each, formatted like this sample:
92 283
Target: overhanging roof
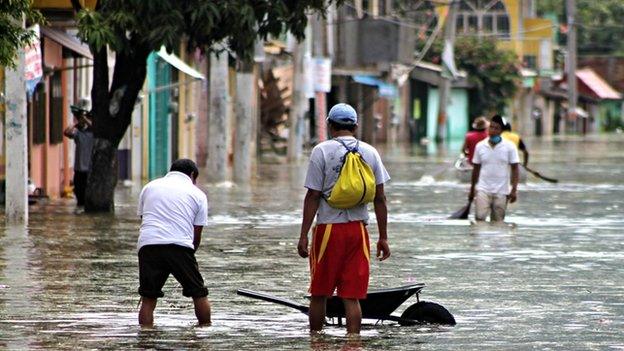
179 64
596 84
68 41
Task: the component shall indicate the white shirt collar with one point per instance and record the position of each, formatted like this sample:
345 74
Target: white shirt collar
178 174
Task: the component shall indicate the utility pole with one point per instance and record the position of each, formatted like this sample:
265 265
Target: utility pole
320 97
219 121
16 205
571 65
445 80
295 116
245 110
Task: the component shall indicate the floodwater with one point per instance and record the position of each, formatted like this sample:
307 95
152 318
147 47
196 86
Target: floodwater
550 279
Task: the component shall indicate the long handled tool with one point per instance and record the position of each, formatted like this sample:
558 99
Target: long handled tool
537 174
462 213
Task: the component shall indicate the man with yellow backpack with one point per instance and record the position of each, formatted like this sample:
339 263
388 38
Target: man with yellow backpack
344 174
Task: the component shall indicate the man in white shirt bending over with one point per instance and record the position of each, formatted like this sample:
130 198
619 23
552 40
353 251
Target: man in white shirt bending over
173 212
493 160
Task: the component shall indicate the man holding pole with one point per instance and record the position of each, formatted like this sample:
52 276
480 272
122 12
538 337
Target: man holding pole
494 160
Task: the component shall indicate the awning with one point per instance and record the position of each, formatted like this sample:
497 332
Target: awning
179 64
597 85
68 41
385 89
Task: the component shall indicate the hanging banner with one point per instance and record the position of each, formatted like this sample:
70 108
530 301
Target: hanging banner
308 76
33 71
322 74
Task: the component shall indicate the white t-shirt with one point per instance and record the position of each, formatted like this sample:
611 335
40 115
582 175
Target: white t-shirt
495 166
170 206
325 163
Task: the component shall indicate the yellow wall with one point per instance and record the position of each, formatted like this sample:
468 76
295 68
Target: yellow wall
61 4
525 38
536 30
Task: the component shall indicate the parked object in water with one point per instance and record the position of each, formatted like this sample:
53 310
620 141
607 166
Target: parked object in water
378 305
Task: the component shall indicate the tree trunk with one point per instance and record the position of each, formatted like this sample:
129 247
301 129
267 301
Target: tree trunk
112 114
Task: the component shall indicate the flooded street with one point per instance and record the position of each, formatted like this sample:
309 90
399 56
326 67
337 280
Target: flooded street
551 278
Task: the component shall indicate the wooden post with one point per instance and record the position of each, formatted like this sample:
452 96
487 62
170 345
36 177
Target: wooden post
16 205
368 123
245 111
571 66
218 125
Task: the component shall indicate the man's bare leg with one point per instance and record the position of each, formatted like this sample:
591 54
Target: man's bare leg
316 313
202 310
146 312
353 313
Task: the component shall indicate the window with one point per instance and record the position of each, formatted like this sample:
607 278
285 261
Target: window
488 24
38 114
56 109
483 16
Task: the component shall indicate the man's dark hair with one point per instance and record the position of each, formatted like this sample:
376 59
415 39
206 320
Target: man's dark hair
185 166
340 126
498 119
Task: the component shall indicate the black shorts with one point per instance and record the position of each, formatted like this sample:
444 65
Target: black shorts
156 262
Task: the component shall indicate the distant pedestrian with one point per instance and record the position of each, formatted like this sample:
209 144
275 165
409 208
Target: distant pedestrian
173 212
473 137
515 138
340 250
82 134
494 160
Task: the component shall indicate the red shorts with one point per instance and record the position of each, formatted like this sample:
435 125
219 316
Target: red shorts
340 260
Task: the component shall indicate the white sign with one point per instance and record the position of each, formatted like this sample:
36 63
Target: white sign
33 70
322 74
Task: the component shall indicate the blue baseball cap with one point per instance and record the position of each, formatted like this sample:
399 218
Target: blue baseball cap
342 114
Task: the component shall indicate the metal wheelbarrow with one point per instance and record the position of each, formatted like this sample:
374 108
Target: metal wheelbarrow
379 305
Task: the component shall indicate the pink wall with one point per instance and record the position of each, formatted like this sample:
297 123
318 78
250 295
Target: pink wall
45 159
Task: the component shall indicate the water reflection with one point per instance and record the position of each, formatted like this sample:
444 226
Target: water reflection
549 279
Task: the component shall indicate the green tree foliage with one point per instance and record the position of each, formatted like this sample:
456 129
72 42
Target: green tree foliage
599 24
135 28
12 35
494 72
124 24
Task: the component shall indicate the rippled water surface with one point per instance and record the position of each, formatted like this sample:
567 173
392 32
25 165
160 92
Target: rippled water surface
551 278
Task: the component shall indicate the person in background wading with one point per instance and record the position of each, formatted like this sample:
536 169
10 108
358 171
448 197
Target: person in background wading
495 161
473 137
82 134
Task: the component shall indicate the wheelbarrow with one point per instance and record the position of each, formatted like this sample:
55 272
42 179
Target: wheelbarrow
378 305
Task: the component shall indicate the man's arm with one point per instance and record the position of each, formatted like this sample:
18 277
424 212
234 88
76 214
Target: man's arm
381 213
515 175
69 131
476 171
525 153
197 231
310 206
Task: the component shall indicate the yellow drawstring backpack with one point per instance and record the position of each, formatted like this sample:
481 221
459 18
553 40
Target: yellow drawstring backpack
356 182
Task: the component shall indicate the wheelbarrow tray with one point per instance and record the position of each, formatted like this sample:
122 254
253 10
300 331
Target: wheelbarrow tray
378 304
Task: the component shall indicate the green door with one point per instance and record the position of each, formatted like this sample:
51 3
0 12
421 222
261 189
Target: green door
159 80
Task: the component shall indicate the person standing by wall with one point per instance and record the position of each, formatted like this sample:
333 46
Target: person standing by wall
494 158
82 135
340 250
173 212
